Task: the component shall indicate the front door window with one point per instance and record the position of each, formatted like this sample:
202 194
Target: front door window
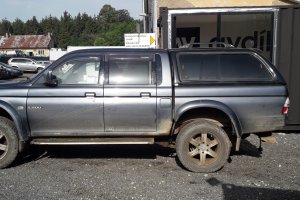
78 71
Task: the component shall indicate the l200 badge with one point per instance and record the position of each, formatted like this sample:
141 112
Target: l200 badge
34 107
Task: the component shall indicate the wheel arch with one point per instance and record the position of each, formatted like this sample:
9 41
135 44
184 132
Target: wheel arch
9 112
204 105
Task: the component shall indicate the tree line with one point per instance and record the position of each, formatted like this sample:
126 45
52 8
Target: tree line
105 29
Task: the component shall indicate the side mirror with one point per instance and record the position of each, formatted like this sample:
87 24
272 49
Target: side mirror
51 80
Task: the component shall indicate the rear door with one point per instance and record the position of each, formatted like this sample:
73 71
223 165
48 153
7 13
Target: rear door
130 93
28 65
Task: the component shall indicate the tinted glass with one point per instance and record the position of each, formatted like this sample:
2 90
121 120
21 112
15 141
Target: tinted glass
131 70
222 67
79 71
20 60
243 67
195 67
6 66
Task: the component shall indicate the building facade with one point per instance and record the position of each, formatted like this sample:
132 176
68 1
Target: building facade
32 45
272 26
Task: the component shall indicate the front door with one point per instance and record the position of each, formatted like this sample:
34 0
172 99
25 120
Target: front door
130 93
75 106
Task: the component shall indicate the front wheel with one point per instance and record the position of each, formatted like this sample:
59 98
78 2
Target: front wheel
8 142
202 146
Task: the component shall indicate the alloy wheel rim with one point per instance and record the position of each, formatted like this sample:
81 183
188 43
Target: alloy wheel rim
3 145
204 149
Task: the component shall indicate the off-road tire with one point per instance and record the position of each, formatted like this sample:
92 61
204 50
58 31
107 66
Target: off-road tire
9 142
202 146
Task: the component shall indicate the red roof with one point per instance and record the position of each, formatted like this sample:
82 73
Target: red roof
25 42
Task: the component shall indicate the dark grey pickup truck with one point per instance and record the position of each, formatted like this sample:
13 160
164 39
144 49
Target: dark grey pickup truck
203 99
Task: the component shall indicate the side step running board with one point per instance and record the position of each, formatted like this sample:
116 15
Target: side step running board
91 141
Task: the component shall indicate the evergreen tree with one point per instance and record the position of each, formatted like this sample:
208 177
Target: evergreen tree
124 16
18 27
51 25
90 24
32 27
105 29
5 27
65 31
107 16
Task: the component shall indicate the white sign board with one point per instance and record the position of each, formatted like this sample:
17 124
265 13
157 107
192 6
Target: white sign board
140 40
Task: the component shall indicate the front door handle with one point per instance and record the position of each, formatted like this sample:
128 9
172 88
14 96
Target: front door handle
145 94
90 94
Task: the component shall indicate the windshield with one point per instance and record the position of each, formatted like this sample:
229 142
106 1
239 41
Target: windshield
7 66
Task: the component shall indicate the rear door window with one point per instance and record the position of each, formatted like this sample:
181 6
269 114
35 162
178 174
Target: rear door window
222 67
130 69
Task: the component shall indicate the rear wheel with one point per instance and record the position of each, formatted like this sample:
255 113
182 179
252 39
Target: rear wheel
39 69
202 146
8 142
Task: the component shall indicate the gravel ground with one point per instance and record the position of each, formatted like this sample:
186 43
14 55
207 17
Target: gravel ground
152 172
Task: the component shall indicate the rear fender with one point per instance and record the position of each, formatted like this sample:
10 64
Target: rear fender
216 105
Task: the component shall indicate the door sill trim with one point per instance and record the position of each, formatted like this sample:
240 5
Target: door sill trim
90 141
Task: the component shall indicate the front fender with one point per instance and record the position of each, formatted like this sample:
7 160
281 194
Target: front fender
21 125
211 104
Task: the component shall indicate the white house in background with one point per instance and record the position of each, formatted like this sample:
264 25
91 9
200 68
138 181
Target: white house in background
32 45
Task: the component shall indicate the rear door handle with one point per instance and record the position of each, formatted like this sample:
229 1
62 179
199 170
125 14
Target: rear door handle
90 94
145 94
